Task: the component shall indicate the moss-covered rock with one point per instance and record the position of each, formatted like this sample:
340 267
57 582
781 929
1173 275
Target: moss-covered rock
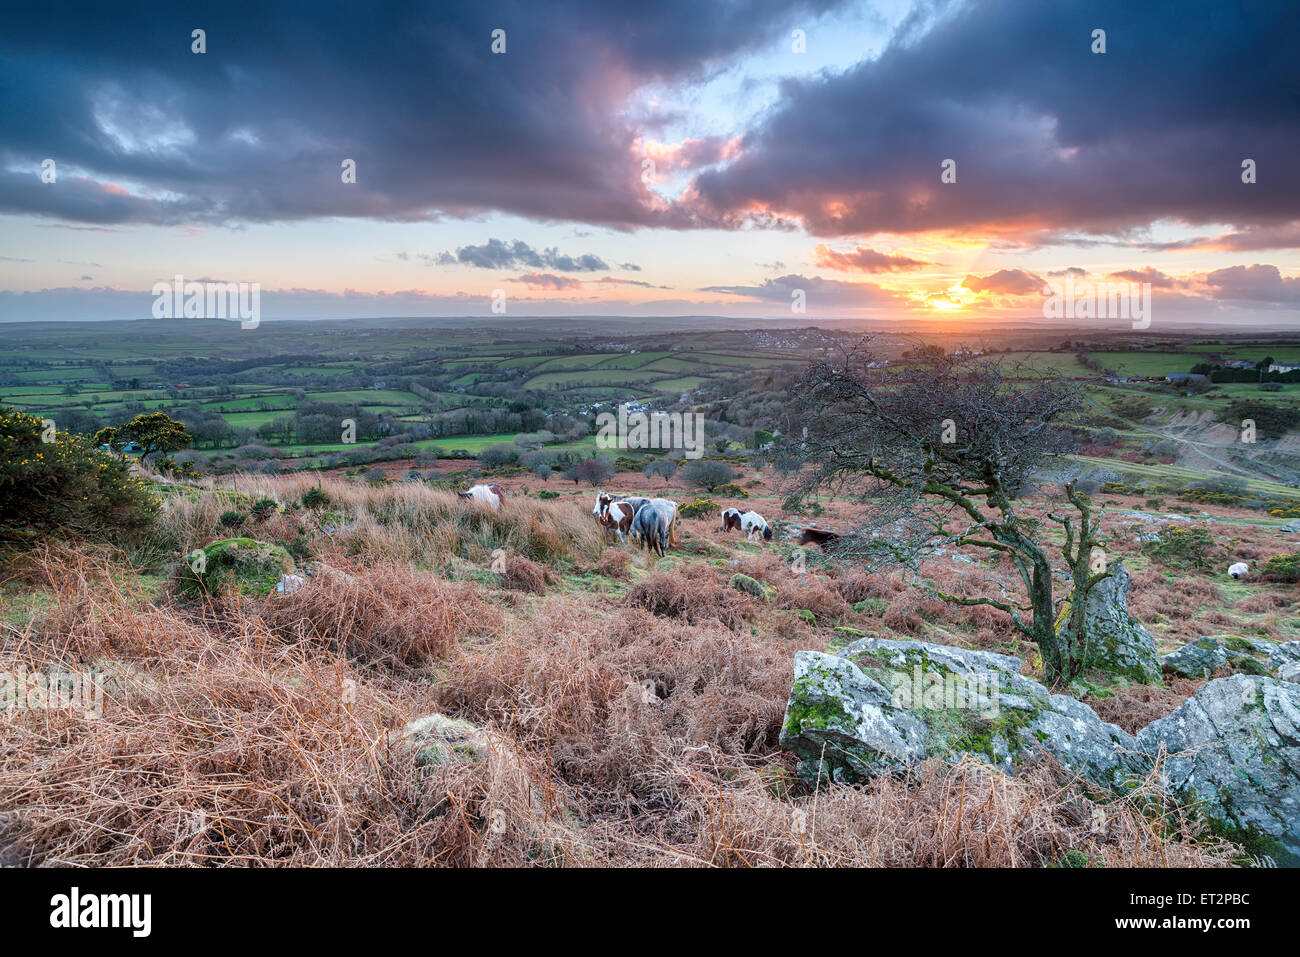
1202 657
1114 641
881 705
750 586
252 567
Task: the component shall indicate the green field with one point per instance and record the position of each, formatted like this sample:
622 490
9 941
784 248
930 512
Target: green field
1145 363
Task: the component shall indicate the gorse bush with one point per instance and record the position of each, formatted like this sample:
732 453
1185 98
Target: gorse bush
315 497
1179 547
65 486
1281 568
730 490
700 508
263 508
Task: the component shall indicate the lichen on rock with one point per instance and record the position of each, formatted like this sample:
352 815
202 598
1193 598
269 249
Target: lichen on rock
1113 641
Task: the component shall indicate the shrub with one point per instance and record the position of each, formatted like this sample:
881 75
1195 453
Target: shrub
700 508
594 471
1133 407
1179 547
232 519
546 493
708 474
1271 419
495 456
1281 568
811 593
663 468
65 487
748 585
389 614
613 564
730 490
263 508
315 497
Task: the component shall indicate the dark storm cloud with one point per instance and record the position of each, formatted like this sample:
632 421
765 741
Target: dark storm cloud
256 129
1044 132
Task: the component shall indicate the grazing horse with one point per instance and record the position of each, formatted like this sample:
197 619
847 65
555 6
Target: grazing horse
816 536
604 498
669 509
754 525
618 516
621 505
492 495
730 519
651 526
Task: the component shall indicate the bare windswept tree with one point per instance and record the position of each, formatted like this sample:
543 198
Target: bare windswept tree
938 452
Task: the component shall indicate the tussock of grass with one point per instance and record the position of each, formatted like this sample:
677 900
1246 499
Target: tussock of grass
388 614
694 597
405 522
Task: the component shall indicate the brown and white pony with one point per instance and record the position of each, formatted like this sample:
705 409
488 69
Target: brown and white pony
730 520
615 515
492 495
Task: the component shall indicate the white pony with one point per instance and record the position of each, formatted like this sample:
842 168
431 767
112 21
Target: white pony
755 526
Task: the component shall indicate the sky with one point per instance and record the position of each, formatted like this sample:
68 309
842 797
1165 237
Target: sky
728 157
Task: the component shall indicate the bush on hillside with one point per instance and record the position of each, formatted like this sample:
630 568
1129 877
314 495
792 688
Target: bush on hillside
1281 568
700 508
730 490
708 474
65 486
315 497
1272 420
663 468
1179 547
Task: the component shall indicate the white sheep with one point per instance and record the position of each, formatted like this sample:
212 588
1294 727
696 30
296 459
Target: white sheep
1239 570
